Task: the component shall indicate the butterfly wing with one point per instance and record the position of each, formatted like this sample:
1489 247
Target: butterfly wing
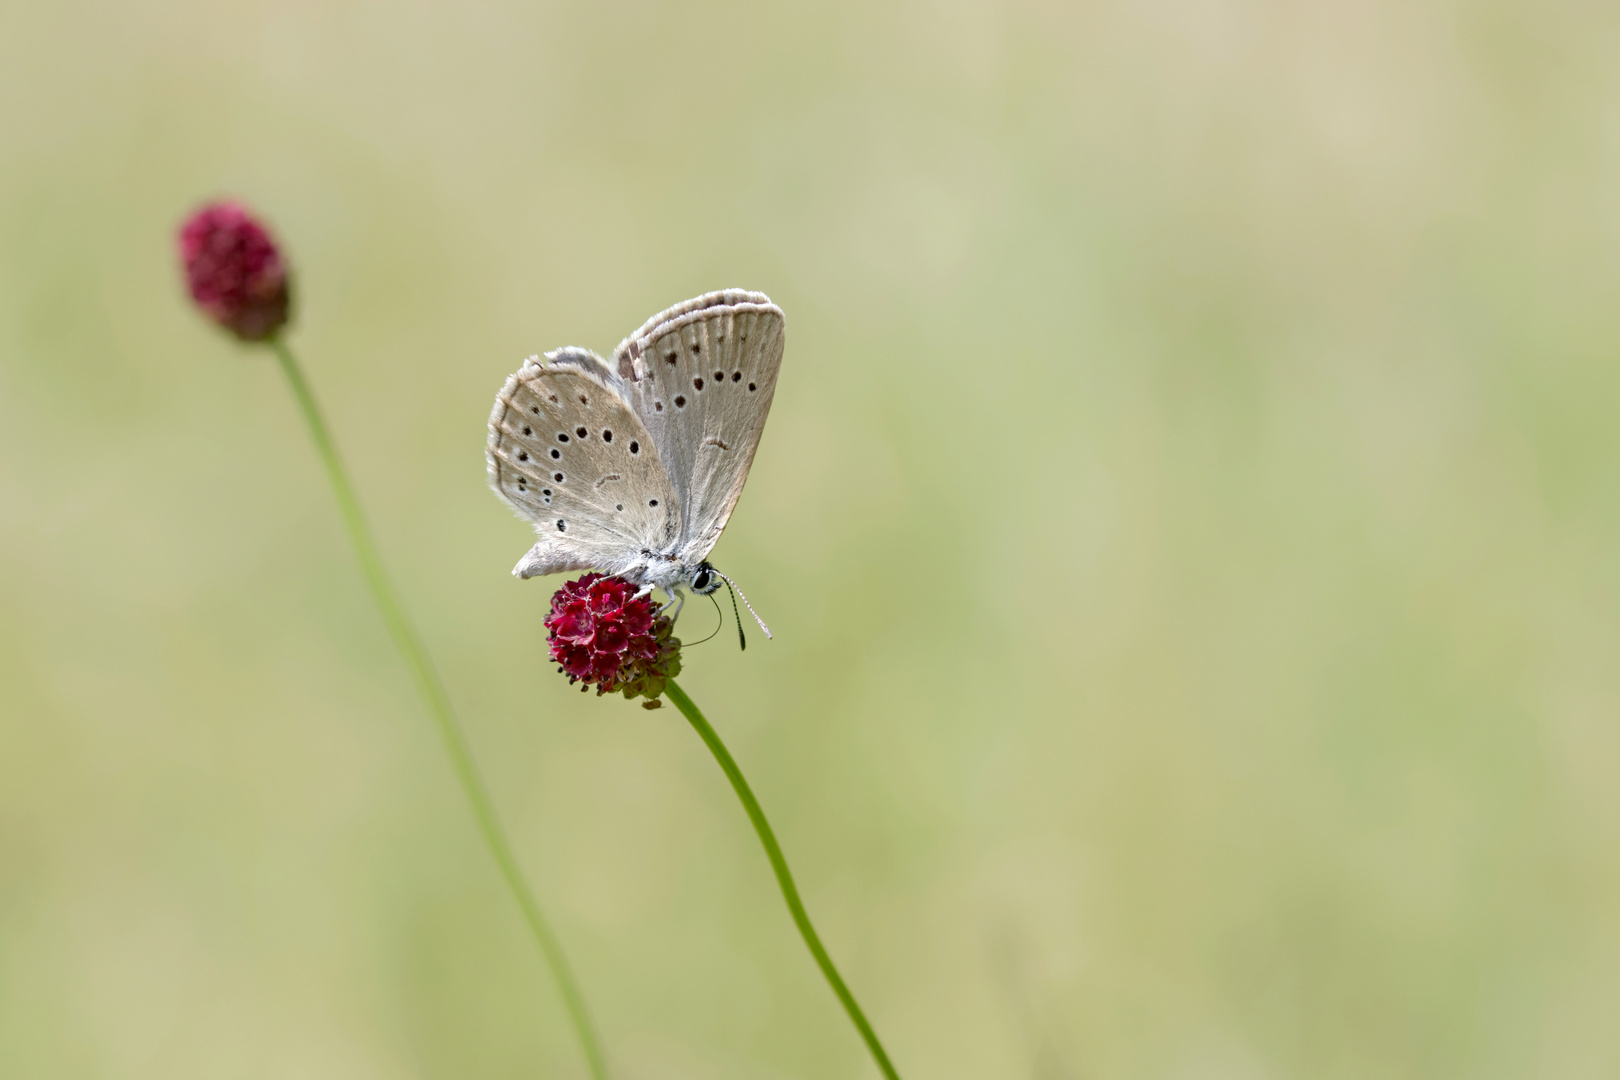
567 452
701 377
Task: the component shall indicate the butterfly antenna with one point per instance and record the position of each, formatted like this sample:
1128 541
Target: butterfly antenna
742 642
733 585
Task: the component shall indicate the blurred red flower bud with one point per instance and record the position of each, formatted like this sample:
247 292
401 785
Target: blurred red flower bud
604 634
234 271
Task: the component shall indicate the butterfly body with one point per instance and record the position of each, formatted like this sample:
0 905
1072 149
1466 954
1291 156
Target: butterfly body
633 466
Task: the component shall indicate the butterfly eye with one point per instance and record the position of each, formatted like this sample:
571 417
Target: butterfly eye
705 581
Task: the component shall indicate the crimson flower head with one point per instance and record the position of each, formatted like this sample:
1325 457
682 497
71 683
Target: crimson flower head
234 270
604 634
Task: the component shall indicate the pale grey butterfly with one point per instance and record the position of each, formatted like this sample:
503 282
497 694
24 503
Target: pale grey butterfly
633 467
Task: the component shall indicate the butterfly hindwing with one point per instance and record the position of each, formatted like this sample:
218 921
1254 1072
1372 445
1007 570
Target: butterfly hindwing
701 376
567 452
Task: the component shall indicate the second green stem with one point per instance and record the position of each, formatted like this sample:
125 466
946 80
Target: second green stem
438 706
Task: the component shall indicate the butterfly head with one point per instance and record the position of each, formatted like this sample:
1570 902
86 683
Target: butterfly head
705 579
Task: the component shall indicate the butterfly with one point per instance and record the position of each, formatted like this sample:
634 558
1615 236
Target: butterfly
633 466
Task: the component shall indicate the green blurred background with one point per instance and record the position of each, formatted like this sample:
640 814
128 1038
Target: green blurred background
1189 520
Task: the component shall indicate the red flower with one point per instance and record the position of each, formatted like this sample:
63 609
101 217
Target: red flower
234 271
602 633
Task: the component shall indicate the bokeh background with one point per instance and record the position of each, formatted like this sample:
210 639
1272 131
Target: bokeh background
1190 520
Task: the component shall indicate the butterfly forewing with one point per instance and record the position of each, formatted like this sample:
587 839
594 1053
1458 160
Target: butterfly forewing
567 452
701 376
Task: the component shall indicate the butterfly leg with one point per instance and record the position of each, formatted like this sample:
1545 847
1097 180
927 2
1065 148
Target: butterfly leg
677 600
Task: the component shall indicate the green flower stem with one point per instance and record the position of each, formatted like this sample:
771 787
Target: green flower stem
438 706
783 877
